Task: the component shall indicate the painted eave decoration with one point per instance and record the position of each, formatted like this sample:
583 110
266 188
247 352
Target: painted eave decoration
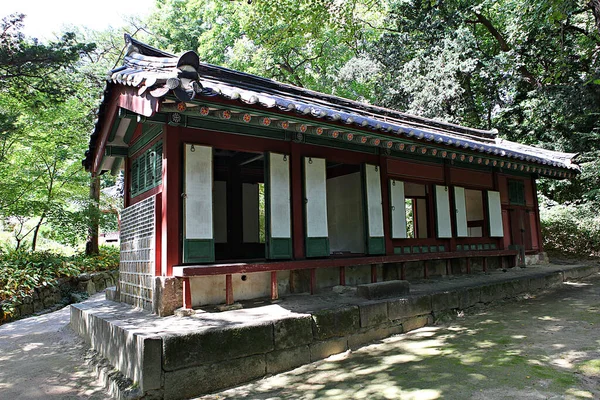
152 81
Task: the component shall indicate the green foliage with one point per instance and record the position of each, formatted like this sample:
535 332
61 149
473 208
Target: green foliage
21 271
569 230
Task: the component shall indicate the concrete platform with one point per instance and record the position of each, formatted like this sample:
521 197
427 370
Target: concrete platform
182 357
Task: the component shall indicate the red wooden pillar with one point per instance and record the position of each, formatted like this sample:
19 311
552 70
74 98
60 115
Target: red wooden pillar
484 264
426 269
274 288
171 199
468 265
187 293
228 290
447 181
343 276
536 208
385 203
373 273
297 202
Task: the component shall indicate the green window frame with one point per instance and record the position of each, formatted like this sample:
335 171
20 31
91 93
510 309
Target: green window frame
146 170
516 192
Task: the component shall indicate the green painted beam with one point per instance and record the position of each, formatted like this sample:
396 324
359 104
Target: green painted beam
116 151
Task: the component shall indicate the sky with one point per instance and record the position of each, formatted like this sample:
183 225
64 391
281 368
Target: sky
45 18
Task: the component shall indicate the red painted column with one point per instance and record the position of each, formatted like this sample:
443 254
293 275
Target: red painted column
274 288
297 202
373 273
228 290
171 199
536 208
158 271
187 293
385 203
447 181
343 276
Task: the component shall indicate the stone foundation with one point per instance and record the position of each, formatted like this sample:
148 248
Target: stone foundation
178 358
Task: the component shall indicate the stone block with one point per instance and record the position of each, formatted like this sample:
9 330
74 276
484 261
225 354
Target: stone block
216 344
536 282
372 314
111 294
468 297
48 301
515 287
409 307
38 305
292 332
492 292
326 348
579 272
335 322
413 323
192 382
167 296
444 301
383 290
371 335
287 359
26 309
553 279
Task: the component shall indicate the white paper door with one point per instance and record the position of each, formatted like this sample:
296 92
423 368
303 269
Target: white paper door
315 207
460 212
495 214
398 209
442 206
375 237
198 204
279 241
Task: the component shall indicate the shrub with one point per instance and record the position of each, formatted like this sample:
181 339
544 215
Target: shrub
22 271
570 230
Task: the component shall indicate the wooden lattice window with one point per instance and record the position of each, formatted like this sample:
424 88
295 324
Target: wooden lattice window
146 170
516 192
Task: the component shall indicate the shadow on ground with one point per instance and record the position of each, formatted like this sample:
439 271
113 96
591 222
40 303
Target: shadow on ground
42 358
536 348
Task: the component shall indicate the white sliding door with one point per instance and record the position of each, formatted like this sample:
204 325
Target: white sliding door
278 206
198 243
442 207
460 212
374 210
398 209
495 214
315 207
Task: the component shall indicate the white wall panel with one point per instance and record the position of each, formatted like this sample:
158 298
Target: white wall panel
495 214
442 204
279 196
398 209
250 215
374 206
198 203
461 212
315 190
220 211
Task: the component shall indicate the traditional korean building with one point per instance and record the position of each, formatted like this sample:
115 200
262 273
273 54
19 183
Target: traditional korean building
239 187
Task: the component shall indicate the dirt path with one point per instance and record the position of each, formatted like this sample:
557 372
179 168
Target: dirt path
546 347
42 358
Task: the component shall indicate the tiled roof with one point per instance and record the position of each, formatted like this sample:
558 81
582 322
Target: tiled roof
158 73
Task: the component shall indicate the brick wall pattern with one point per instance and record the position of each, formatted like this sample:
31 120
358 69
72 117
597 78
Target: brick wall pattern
136 269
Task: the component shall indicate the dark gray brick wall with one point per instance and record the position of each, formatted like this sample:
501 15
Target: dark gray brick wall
136 269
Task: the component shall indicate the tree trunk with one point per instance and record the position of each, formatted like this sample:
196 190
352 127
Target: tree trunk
36 231
92 247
